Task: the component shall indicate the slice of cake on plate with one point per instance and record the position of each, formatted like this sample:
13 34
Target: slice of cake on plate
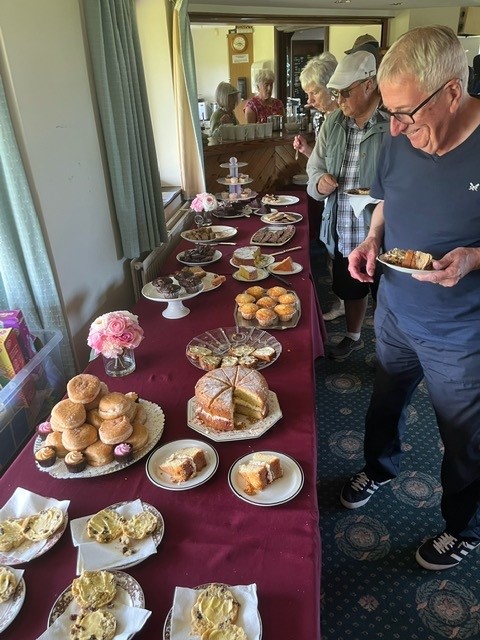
284 265
260 471
184 464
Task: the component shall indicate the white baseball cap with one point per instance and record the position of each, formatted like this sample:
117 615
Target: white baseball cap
356 66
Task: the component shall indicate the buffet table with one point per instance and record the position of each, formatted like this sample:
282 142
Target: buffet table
210 534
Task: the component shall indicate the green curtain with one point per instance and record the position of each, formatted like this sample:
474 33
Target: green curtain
26 277
127 129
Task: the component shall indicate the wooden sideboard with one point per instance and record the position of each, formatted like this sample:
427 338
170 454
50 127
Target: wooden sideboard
270 162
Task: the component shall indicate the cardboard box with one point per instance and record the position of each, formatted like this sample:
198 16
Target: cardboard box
11 357
14 319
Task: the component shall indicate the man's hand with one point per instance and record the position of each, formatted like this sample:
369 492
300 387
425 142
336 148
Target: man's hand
362 260
452 267
326 184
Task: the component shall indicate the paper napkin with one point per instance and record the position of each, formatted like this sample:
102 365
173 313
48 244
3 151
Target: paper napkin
93 556
248 617
5 606
358 203
24 503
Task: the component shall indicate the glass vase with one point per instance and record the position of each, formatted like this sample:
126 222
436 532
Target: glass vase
121 365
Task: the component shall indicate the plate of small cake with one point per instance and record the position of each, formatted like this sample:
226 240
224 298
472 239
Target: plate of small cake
286 267
282 217
213 233
279 201
266 478
247 273
182 464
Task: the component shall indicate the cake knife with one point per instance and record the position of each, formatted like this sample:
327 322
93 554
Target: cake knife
277 253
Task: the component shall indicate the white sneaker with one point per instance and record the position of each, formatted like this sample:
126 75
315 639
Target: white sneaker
335 312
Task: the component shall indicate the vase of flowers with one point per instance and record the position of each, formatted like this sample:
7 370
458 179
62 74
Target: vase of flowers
203 204
115 335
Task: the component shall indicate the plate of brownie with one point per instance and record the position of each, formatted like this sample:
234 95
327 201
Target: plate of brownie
200 255
182 464
273 236
266 478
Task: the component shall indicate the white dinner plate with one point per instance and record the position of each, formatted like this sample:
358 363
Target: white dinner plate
181 258
227 183
10 609
353 193
263 263
251 429
279 491
397 267
207 282
129 593
240 198
269 218
282 201
261 275
155 423
163 480
221 231
296 269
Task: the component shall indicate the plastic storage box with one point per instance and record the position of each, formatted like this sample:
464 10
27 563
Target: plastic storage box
28 398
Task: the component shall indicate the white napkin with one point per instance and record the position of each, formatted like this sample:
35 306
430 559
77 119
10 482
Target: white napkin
129 621
24 503
358 203
184 600
93 556
5 606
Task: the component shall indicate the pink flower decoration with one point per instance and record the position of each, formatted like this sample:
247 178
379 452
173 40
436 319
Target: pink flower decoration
113 332
204 202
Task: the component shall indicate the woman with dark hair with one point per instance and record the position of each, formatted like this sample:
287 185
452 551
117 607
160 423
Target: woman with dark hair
226 97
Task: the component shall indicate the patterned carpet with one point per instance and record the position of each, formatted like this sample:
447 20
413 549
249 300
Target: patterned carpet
372 586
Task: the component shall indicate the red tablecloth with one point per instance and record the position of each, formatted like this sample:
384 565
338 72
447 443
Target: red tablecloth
210 534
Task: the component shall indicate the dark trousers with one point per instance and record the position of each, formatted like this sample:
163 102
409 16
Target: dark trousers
452 376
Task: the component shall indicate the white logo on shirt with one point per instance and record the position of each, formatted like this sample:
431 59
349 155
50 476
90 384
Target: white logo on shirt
474 187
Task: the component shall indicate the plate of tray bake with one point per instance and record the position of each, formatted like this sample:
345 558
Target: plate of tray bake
280 324
279 201
273 236
202 254
264 261
282 217
278 492
397 267
163 480
245 431
10 609
232 342
155 424
215 233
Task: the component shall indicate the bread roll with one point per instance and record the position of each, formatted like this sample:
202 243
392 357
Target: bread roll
67 415
79 438
113 405
83 388
115 431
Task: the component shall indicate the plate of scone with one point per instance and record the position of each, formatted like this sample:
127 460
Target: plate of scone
182 464
266 478
103 440
214 610
12 595
100 604
27 537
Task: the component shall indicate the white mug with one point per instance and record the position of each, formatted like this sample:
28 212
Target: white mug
228 131
268 129
251 129
260 130
240 131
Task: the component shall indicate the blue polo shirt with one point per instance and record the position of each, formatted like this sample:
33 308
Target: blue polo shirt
432 204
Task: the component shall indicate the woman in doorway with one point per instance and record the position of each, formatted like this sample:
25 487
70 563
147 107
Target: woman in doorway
226 97
258 108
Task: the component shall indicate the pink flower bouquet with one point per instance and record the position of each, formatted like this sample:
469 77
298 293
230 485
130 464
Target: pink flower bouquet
113 332
204 202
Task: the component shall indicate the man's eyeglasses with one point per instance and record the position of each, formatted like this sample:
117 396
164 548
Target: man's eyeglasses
407 118
345 93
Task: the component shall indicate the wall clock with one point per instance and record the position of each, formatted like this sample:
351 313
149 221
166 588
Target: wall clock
239 43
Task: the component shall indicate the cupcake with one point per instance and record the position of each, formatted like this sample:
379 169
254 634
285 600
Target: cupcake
75 461
123 452
43 429
256 291
276 292
266 317
248 311
46 456
285 311
287 298
266 302
244 298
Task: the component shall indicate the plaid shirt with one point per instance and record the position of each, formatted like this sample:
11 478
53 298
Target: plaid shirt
350 229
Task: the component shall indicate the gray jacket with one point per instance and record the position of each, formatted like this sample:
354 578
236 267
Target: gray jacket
327 157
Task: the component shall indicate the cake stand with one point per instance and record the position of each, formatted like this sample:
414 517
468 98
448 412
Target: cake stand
175 307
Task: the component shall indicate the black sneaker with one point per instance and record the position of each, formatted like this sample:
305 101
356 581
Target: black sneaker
443 552
345 348
358 490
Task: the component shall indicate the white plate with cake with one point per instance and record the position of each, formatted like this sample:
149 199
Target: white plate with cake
10 609
215 233
245 431
246 194
155 422
279 201
251 479
285 267
200 255
182 464
262 263
250 274
212 281
282 217
229 345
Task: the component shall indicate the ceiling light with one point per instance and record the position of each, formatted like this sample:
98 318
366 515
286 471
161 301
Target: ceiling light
342 1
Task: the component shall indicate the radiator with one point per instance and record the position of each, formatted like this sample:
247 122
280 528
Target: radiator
148 266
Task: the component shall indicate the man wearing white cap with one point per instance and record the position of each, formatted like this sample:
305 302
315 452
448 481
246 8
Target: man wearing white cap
345 157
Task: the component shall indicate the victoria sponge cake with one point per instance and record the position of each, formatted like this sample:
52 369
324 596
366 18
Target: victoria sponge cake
228 395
